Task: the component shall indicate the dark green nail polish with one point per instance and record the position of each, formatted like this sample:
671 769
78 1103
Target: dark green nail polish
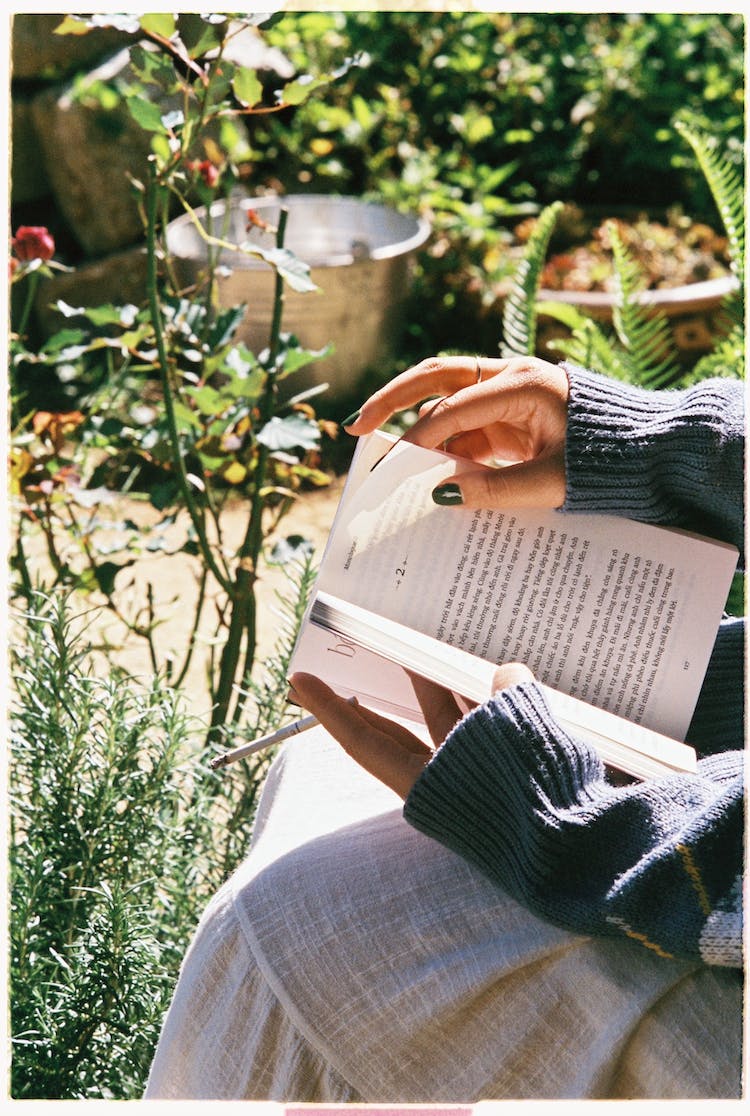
352 418
447 495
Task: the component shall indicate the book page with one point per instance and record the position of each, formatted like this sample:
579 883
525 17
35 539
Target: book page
619 614
632 748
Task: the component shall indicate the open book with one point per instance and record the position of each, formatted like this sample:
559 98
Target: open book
615 618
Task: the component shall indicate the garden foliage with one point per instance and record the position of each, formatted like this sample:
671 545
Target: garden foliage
120 831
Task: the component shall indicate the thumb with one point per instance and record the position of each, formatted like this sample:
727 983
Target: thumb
539 483
511 674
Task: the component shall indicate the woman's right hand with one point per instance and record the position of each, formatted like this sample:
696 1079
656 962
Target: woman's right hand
511 411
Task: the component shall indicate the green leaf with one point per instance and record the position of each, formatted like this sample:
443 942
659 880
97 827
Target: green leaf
247 88
100 315
164 495
588 344
73 25
186 420
63 339
296 358
726 186
145 113
225 326
159 23
152 66
292 432
519 311
737 597
293 270
644 334
105 575
207 399
209 36
161 149
294 548
297 92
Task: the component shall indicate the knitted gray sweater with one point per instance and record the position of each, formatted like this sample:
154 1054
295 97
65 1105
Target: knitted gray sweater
658 861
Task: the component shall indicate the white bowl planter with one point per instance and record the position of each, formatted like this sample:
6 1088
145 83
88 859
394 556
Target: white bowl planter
360 255
694 311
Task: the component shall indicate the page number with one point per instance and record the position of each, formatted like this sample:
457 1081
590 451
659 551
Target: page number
686 665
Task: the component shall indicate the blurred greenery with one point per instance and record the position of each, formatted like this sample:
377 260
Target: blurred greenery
478 118
581 103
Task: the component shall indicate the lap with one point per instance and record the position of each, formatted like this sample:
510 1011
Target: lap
410 977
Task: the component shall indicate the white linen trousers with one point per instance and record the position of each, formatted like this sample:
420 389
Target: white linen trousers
353 959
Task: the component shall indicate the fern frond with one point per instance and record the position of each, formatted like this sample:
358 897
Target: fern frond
726 186
644 334
519 311
726 359
588 344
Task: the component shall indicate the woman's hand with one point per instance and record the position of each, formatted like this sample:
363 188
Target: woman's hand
512 412
383 747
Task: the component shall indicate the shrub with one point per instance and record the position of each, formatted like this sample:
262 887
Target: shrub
120 833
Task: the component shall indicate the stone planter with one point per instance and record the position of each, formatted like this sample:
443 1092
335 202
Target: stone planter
360 255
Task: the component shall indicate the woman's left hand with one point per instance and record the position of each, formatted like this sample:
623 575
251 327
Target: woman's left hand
383 747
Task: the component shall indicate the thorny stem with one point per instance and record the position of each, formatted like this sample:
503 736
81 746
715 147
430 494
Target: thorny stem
244 606
174 436
192 640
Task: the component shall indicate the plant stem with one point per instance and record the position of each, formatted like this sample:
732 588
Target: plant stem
243 619
174 436
32 285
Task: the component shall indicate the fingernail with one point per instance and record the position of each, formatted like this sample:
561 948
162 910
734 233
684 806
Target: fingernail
448 495
352 418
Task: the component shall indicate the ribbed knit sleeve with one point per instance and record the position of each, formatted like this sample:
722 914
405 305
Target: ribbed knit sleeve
669 457
719 719
510 791
658 861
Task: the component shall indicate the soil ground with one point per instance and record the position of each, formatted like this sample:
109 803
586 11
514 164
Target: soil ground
170 581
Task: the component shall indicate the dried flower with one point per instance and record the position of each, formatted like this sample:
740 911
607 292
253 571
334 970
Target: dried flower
33 242
55 426
254 220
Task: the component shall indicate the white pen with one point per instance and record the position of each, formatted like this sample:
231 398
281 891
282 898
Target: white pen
267 741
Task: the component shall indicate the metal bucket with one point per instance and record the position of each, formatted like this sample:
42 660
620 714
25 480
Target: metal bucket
360 255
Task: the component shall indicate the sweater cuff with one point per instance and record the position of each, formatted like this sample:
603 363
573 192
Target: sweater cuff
656 456
493 791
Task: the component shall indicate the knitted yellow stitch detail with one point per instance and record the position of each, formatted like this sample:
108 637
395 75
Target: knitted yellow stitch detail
694 873
641 938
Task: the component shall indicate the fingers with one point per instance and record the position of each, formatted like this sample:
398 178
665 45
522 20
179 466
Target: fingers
511 674
477 446
445 377
524 409
532 484
385 749
435 376
397 732
439 706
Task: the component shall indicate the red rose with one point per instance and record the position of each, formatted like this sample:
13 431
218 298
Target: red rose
206 169
33 242
210 174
